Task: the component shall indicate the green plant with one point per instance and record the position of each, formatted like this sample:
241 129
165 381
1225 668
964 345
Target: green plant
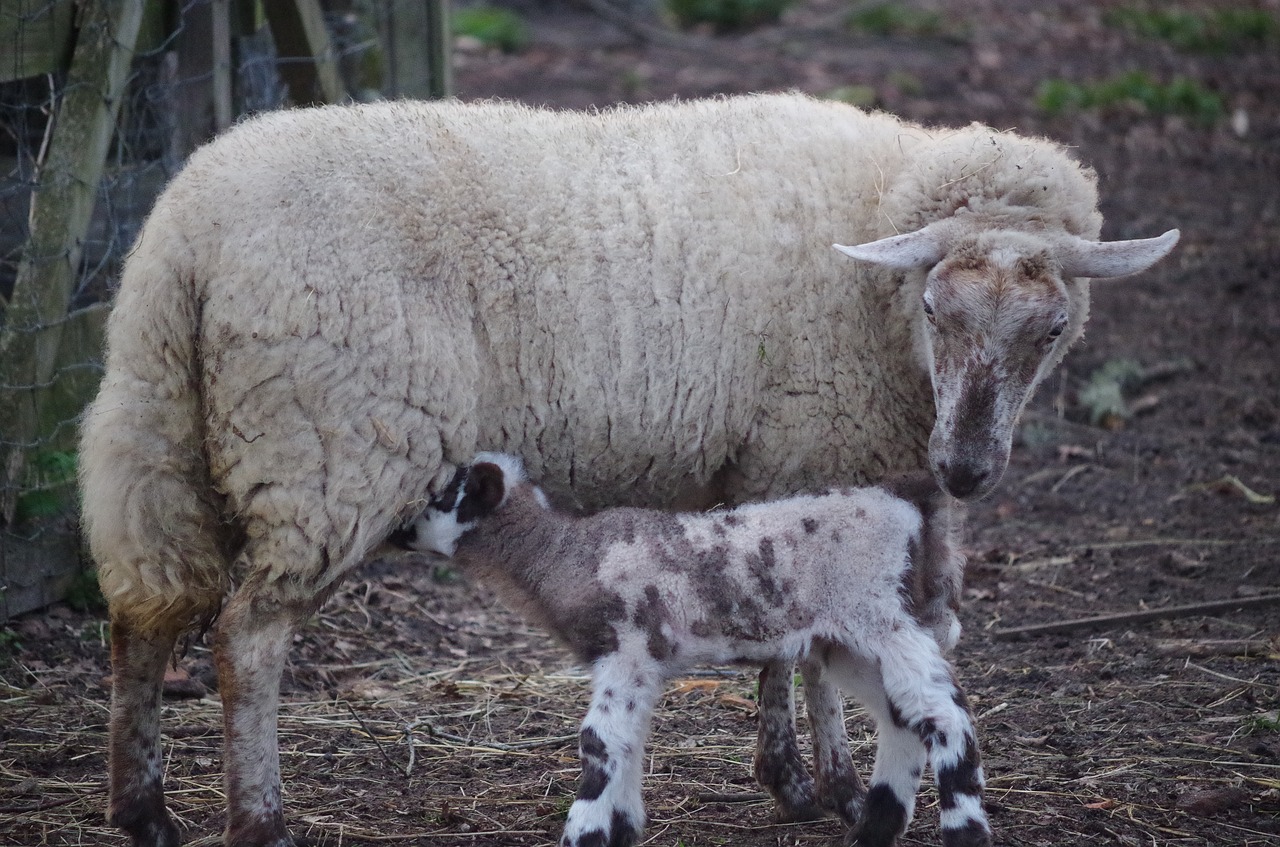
500 28
48 485
83 594
894 19
98 631
1104 393
1266 722
1180 96
10 641
907 83
442 574
1216 31
726 15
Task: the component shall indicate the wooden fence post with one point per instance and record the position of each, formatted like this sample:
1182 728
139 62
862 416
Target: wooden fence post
439 49
418 39
307 62
61 207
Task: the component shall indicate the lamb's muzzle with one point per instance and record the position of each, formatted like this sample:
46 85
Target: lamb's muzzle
857 583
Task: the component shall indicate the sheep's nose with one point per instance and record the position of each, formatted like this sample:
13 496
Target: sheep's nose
963 479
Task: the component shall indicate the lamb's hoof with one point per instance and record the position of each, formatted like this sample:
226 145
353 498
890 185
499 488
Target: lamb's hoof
147 822
155 834
798 813
850 811
972 834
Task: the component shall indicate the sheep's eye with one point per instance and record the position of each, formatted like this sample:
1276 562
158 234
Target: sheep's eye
928 310
1057 330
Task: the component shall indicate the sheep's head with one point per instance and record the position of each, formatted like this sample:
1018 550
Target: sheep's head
998 310
476 490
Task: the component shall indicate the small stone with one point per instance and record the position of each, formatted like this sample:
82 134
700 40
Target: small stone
178 685
1211 801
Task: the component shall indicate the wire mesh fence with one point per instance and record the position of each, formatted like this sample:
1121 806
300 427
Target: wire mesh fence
100 105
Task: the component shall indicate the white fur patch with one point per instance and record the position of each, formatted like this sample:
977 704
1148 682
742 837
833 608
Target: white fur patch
438 532
968 807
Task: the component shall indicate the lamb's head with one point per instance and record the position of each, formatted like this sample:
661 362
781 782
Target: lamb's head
998 310
476 491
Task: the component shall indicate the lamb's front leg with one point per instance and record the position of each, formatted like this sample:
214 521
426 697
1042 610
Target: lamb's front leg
609 809
921 716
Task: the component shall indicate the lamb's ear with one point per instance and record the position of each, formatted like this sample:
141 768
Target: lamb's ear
486 488
920 249
1105 259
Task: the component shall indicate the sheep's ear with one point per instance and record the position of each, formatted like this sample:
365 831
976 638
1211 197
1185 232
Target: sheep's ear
486 488
1105 259
920 249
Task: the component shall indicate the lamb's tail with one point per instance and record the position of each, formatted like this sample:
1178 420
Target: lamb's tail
151 517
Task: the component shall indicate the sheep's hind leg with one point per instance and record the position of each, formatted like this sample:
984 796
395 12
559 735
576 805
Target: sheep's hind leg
838 786
250 648
609 808
779 767
135 770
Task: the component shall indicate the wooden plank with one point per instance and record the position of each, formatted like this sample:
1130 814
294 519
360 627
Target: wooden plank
308 64
1121 618
222 75
189 98
61 208
74 381
36 37
402 28
37 571
439 49
418 38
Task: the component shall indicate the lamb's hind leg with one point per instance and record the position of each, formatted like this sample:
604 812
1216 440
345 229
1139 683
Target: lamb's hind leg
609 809
250 647
136 771
839 788
779 767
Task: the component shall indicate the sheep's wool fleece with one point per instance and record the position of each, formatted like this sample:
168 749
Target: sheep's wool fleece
330 306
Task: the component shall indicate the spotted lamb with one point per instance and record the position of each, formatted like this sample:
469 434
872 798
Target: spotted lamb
841 581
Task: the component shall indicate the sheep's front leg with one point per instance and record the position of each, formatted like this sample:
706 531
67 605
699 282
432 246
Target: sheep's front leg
250 649
779 767
839 788
136 772
609 808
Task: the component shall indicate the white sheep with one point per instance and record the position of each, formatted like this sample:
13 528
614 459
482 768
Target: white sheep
642 595
328 308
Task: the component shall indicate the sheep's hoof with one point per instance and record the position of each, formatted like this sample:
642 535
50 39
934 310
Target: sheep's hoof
259 832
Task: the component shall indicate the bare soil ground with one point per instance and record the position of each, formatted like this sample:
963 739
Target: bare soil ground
418 711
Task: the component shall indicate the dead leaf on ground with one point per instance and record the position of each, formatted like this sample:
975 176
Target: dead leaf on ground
1230 485
688 686
733 701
